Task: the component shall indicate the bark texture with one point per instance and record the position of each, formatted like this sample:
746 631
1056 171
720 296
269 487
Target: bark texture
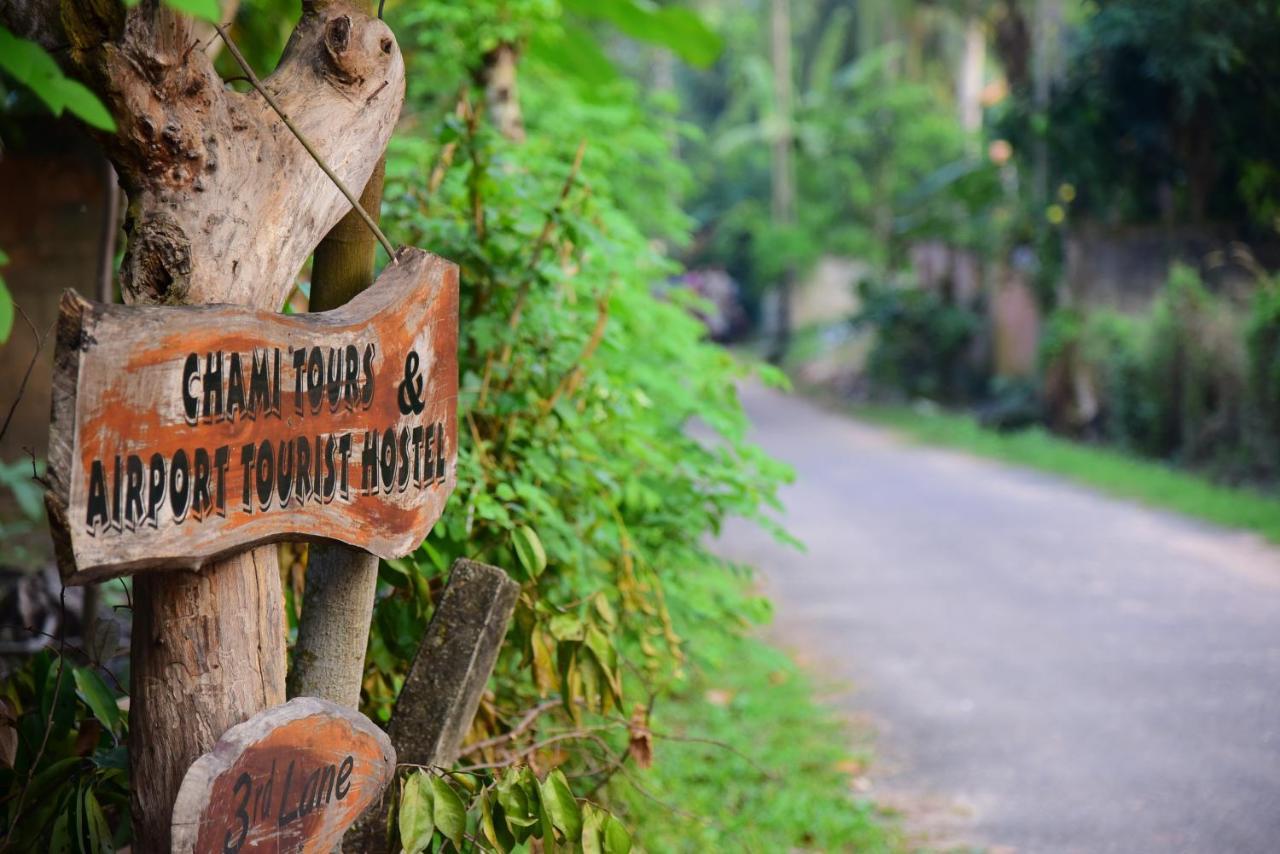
224 206
501 92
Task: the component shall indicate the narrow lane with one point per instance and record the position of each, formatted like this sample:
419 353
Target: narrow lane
1052 670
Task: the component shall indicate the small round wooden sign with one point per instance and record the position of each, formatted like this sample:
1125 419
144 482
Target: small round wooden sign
291 778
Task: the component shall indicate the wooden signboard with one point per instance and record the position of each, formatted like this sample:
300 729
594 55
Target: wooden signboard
180 434
291 778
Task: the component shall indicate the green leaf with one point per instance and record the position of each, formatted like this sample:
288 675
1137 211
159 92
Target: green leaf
60 838
689 36
205 9
558 800
515 803
98 697
84 104
533 557
416 814
674 27
450 813
6 312
99 830
574 53
32 66
593 821
493 826
617 840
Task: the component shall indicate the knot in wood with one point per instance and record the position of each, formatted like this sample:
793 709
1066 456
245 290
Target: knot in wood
357 49
157 266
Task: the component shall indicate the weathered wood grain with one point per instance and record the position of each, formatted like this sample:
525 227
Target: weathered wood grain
291 778
180 434
446 680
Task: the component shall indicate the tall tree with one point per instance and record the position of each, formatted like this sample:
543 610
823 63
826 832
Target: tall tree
783 183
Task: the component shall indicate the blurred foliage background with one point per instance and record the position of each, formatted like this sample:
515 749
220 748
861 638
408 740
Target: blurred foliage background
975 164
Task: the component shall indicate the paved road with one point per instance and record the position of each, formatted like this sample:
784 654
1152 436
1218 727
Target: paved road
1048 670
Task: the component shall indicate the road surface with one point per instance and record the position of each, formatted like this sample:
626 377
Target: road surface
1046 669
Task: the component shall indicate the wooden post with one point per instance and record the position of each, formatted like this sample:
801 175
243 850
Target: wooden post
783 201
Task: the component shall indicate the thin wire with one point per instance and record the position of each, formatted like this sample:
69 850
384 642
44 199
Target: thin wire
257 84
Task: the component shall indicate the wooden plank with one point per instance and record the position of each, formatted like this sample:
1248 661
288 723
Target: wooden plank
291 778
442 690
180 434
443 686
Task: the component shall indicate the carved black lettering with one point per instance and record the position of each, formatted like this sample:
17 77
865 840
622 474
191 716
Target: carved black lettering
259 385
115 494
284 469
324 792
134 511
441 461
212 385
307 800
315 379
96 505
155 488
334 376
179 485
344 467
201 499
246 461
302 484
286 817
265 468
243 782
191 399
221 459
299 375
366 393
351 388
330 475
235 387
417 455
403 480
275 401
343 785
388 459
369 463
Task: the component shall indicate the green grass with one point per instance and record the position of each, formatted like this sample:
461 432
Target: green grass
778 780
1112 471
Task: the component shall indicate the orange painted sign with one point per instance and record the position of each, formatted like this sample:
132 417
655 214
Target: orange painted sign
183 433
291 778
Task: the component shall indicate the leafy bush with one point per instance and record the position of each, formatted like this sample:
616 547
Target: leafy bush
577 469
924 342
1264 373
1179 383
66 785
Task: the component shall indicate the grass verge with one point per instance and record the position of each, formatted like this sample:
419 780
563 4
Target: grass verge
1115 472
750 762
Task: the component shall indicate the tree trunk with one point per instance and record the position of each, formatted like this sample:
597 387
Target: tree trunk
337 605
224 206
502 95
783 175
